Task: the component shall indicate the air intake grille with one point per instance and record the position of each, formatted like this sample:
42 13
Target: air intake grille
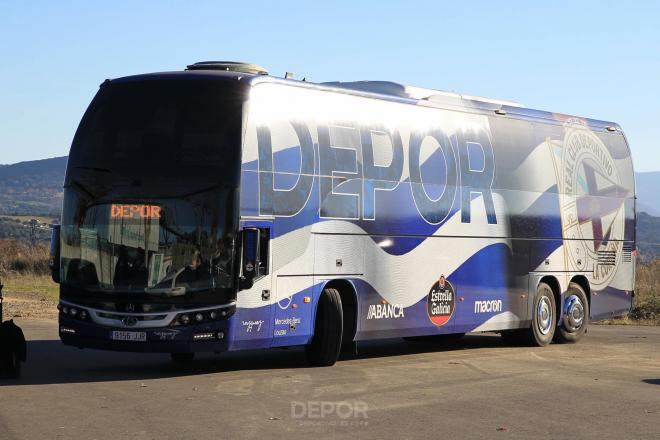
137 317
607 258
627 253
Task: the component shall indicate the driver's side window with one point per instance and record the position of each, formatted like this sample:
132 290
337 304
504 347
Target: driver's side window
255 252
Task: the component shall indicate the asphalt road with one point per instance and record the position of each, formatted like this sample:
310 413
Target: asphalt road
606 387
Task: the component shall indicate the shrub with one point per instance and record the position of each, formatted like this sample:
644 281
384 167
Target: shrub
21 257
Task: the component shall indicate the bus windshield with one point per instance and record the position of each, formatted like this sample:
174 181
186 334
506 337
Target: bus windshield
151 193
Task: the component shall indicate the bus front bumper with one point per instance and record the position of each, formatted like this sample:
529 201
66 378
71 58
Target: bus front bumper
207 337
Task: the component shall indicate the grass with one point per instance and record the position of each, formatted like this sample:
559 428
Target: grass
646 308
28 288
21 258
646 305
28 285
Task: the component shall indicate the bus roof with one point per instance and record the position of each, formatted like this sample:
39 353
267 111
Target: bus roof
385 90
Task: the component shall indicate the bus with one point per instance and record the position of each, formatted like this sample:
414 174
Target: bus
219 208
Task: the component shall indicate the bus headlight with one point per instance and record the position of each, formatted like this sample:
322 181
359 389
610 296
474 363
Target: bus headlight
73 312
203 316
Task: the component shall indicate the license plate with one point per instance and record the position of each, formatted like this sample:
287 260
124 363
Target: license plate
129 336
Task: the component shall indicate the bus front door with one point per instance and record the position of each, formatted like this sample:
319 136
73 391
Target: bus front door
253 326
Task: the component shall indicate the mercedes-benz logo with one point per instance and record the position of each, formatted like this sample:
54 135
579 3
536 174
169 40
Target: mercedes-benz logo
129 321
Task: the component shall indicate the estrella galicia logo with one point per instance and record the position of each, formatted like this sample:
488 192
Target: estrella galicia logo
441 302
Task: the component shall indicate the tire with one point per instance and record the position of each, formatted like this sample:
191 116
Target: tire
544 321
182 358
575 318
324 349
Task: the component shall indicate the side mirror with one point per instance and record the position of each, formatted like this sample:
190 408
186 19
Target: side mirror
54 259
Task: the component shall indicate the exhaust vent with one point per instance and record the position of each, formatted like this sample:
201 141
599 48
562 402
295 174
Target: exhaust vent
607 258
627 253
229 66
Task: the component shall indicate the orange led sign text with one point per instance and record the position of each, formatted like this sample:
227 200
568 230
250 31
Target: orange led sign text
135 211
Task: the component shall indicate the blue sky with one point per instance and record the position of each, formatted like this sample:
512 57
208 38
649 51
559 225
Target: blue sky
596 59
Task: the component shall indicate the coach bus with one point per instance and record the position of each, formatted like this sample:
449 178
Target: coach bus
219 208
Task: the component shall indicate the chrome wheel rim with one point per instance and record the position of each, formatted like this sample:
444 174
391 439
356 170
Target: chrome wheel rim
573 314
544 315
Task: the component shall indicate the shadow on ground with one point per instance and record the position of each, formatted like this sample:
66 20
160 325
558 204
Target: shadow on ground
50 362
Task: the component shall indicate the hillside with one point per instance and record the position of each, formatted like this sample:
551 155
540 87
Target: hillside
648 236
33 187
648 196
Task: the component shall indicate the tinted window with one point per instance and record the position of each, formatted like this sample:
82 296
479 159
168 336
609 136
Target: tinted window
182 133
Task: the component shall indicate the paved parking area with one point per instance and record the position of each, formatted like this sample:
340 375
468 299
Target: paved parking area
606 387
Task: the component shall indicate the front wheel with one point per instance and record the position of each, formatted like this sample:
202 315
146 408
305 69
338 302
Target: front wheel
326 343
575 318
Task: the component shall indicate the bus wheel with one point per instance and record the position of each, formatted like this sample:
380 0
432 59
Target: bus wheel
544 321
575 317
182 358
324 349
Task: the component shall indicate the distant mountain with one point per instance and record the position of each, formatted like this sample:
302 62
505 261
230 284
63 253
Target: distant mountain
648 236
648 192
33 187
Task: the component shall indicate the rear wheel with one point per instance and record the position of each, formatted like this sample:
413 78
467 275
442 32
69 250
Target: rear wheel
544 321
182 358
326 343
575 317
